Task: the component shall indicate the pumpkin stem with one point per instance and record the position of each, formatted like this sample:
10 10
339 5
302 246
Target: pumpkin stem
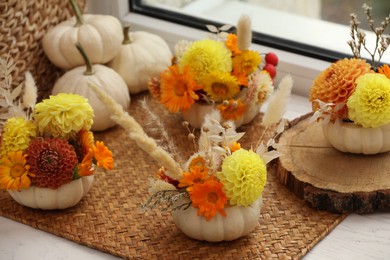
126 37
77 12
89 70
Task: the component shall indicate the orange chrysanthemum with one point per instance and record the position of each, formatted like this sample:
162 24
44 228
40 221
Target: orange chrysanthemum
103 156
85 168
177 90
385 70
14 171
196 175
231 44
232 109
336 83
209 198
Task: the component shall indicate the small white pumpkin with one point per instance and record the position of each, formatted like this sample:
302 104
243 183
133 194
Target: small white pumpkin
197 112
239 222
100 35
66 196
142 56
76 81
349 137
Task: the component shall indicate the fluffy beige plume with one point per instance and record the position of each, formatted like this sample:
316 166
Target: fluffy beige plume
30 91
244 32
137 134
278 102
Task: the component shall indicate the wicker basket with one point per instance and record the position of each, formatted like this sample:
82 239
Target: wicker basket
22 26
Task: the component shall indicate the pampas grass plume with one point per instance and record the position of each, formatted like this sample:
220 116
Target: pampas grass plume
244 33
278 102
30 91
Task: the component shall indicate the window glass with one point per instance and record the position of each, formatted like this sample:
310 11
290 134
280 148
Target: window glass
315 28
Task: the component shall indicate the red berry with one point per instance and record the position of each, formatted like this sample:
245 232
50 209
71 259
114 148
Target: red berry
271 58
270 69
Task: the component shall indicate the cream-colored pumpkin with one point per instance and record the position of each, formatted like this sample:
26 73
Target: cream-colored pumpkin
76 81
197 112
349 137
142 56
100 35
68 195
239 222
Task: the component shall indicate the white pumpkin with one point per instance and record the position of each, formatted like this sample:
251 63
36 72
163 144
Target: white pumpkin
76 81
67 195
349 137
100 35
239 222
142 56
197 112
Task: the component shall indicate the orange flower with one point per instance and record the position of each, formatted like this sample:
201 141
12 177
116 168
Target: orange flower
85 168
177 90
234 147
209 198
86 140
231 44
385 70
14 172
232 109
198 161
103 156
196 175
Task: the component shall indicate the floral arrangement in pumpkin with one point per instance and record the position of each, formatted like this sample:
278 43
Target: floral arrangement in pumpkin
219 70
220 173
45 144
352 89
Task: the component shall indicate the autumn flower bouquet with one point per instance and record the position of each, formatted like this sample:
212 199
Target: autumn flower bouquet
219 73
351 98
216 193
47 153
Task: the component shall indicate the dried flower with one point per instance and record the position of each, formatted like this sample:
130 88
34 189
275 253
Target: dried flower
232 109
243 177
369 105
220 86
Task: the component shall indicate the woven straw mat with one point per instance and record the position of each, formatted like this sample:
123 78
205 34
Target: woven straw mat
109 218
22 27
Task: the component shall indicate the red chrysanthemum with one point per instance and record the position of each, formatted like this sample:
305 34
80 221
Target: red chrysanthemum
52 162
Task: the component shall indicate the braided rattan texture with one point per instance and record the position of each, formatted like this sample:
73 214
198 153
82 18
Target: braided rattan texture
109 217
22 26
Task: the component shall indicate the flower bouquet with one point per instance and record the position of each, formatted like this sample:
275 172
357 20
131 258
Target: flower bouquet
47 152
215 194
351 98
219 73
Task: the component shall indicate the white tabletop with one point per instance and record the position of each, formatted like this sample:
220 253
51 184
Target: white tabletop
357 237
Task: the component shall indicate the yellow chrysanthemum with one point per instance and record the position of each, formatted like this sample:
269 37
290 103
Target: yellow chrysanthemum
243 176
220 85
63 115
205 56
14 172
246 62
17 134
337 82
369 105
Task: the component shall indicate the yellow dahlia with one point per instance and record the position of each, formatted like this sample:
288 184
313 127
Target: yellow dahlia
17 134
205 56
243 176
336 83
220 85
63 115
177 90
14 172
369 105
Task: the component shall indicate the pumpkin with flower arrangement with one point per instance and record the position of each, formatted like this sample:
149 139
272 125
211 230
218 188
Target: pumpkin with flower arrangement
219 72
47 153
215 194
351 98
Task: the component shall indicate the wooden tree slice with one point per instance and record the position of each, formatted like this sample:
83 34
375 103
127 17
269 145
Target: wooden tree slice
327 178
